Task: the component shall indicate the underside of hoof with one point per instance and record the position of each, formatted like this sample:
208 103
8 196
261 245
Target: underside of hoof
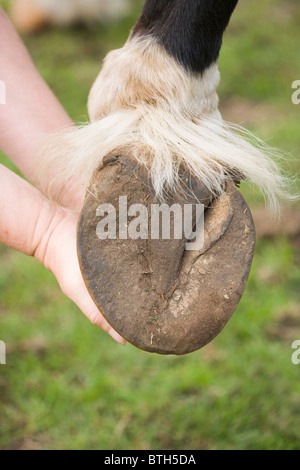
165 293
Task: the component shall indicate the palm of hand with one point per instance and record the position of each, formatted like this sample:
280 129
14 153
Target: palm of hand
58 252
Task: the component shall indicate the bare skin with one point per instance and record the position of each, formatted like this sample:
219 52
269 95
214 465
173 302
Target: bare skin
29 222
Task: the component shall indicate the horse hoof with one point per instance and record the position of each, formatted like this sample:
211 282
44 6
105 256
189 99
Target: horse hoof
156 293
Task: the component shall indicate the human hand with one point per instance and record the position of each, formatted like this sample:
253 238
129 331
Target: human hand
29 222
57 251
38 227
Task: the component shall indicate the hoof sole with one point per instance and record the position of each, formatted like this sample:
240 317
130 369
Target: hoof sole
159 296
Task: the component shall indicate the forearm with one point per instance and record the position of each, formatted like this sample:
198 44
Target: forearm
31 109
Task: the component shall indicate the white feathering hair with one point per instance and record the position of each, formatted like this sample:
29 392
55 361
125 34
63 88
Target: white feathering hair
145 104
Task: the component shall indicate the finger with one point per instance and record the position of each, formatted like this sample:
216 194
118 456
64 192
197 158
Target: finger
97 319
78 293
61 258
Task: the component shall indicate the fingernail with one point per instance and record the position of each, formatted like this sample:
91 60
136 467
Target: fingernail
117 337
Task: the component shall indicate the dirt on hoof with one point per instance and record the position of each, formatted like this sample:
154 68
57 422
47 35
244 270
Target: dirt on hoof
160 296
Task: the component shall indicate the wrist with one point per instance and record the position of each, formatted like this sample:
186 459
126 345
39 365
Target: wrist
27 218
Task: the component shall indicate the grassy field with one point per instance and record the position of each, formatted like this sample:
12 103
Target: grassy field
67 385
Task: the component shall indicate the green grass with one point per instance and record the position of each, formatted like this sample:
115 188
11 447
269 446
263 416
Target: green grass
67 385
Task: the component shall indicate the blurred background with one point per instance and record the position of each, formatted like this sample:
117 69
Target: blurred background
67 385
